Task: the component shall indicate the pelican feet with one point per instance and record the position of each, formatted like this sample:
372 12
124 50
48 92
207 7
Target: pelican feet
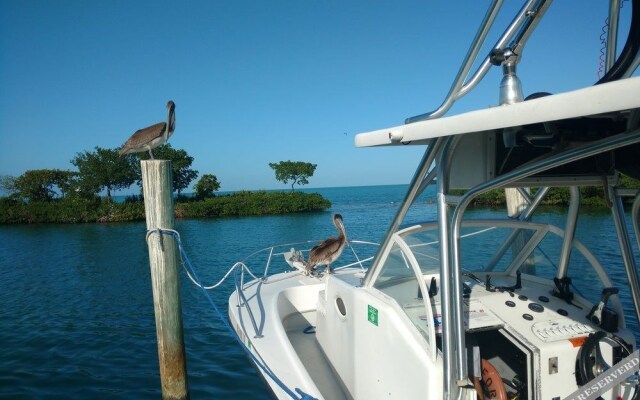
317 273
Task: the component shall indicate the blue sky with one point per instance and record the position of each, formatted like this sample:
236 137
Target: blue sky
259 81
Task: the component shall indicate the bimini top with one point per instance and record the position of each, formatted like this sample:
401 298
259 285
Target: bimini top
619 95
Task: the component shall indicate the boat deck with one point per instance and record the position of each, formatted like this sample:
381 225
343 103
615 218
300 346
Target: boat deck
308 348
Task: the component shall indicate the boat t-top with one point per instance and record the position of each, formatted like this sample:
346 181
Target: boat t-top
461 307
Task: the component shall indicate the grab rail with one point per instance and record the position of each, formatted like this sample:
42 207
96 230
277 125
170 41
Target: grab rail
240 268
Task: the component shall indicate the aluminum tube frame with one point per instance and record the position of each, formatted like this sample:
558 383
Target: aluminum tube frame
459 87
534 14
507 36
635 218
524 194
447 288
415 187
524 216
579 153
244 302
457 324
266 269
537 199
617 210
427 180
612 34
569 231
633 67
472 54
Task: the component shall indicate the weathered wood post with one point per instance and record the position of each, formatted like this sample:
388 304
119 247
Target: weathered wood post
163 259
516 203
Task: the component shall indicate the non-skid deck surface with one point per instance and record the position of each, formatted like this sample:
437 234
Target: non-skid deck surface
310 353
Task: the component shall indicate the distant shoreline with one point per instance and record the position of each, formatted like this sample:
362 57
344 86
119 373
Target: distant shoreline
240 203
121 198
103 210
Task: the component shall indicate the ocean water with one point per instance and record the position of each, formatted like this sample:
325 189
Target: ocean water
76 309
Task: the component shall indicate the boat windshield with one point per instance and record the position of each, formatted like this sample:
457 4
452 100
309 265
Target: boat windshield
498 248
398 279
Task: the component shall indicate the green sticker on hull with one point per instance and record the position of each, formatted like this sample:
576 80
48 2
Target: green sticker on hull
372 315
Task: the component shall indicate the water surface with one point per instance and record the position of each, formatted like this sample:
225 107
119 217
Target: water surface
77 319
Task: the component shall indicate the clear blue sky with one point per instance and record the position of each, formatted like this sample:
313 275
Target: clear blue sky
259 81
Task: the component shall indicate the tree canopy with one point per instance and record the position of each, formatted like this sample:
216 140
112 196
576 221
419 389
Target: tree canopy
66 181
206 186
101 169
104 169
41 184
8 185
295 172
180 165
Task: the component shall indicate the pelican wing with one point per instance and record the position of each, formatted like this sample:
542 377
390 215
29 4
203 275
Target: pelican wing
143 137
326 252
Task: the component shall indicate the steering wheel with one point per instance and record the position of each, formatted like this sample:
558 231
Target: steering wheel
591 363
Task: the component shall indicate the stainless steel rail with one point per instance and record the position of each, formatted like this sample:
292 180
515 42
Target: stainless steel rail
472 54
520 28
447 282
635 217
569 231
418 183
625 249
612 33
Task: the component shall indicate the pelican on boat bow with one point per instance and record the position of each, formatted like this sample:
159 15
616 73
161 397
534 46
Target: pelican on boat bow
467 308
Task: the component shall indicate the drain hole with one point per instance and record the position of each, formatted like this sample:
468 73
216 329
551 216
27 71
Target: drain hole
341 308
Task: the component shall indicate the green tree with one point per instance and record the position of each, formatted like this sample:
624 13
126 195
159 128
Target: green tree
295 172
104 169
628 182
8 185
35 185
206 186
180 165
40 184
66 181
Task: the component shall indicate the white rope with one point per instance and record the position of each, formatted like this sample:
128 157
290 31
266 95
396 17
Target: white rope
175 233
242 266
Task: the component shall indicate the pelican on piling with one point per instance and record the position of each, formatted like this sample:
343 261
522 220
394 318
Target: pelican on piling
329 250
152 136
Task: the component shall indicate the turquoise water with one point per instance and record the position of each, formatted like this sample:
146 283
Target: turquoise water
76 315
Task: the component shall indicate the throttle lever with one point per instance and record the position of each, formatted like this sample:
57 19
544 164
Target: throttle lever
595 315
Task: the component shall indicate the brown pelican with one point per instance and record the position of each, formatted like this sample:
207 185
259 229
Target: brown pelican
329 250
152 136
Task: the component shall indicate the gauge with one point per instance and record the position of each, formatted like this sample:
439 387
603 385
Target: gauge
535 307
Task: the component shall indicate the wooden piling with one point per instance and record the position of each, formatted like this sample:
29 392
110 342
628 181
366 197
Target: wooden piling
163 259
516 203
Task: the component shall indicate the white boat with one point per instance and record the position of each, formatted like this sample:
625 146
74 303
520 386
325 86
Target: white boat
462 308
